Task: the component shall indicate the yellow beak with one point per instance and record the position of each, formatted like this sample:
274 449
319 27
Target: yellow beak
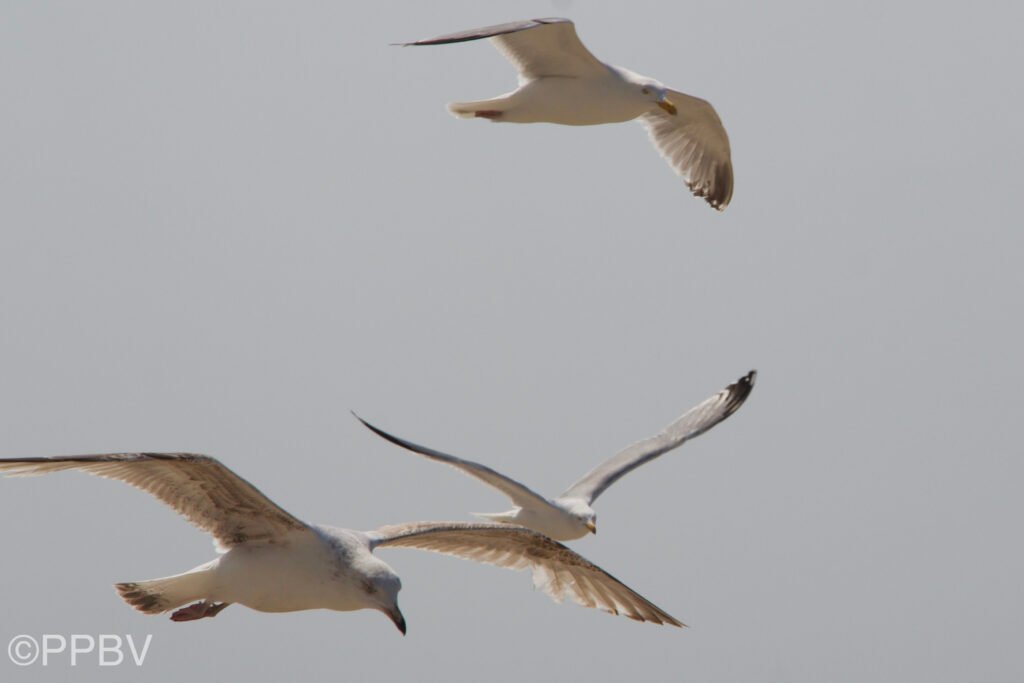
592 527
668 106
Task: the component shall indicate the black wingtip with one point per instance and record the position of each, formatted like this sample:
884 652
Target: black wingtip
717 193
367 424
379 432
744 385
739 391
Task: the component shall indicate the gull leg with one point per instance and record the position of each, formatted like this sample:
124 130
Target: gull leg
216 608
199 610
482 109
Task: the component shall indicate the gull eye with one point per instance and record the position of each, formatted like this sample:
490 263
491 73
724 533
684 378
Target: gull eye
646 91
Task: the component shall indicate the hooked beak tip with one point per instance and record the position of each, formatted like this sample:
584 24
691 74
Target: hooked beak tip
667 105
591 527
398 619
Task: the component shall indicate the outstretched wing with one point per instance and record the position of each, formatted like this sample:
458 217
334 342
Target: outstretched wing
537 47
693 141
198 487
693 422
518 493
556 569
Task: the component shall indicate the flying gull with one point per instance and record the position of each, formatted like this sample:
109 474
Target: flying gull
560 81
570 515
273 562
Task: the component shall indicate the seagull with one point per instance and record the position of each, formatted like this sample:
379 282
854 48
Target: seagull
560 81
570 515
273 562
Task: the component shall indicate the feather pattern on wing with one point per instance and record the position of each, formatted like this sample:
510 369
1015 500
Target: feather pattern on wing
694 142
198 487
537 47
556 569
520 494
693 422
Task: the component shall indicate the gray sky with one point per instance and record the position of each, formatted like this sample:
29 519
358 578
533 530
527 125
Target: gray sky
225 226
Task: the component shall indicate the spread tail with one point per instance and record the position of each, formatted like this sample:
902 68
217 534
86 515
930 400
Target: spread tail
159 595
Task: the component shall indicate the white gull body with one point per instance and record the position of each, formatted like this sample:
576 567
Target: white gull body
570 515
273 562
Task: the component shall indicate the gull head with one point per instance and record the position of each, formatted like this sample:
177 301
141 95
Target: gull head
582 513
657 94
381 586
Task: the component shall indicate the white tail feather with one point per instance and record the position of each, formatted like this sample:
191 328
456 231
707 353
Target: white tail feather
160 595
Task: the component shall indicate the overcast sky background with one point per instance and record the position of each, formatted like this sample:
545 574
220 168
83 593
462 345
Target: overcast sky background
224 225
